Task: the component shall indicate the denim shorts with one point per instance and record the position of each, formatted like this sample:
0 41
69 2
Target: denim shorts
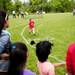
4 65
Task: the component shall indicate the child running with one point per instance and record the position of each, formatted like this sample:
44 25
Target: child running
32 26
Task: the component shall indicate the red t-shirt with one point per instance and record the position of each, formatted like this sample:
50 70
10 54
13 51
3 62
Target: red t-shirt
31 24
70 59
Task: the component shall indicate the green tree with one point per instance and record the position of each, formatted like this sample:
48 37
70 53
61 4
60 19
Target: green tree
62 5
17 5
10 7
35 2
4 4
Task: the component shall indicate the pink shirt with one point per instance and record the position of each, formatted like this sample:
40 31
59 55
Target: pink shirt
46 68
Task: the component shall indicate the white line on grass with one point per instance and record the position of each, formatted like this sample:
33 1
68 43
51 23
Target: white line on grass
57 59
25 38
49 39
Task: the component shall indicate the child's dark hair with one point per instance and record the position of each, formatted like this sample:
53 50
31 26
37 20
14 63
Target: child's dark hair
43 49
2 20
32 42
17 58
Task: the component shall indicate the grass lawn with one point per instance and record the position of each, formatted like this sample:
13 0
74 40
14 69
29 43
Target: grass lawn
59 28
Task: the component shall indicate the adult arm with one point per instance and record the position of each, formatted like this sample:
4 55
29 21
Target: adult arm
3 41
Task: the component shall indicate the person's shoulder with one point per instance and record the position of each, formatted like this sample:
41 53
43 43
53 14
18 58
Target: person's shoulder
46 63
49 64
5 32
50 67
28 72
71 47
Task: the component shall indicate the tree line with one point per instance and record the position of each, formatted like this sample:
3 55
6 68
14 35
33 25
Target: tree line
38 5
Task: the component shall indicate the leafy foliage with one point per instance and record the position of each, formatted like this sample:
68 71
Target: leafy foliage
38 5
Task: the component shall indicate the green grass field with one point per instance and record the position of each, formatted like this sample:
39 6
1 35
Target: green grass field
59 28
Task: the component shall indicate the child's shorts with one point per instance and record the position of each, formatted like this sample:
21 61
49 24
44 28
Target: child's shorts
4 65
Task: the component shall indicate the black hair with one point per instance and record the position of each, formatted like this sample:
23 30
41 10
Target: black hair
2 20
17 58
43 49
32 42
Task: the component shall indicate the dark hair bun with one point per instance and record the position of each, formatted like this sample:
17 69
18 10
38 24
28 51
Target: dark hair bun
32 42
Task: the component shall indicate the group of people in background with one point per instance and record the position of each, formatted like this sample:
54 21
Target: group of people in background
22 13
13 56
73 11
17 14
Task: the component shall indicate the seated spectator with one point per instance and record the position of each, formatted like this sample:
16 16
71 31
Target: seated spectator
43 49
4 40
4 34
18 58
70 59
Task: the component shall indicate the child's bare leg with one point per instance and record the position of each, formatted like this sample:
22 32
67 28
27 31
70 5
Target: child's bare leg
33 30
